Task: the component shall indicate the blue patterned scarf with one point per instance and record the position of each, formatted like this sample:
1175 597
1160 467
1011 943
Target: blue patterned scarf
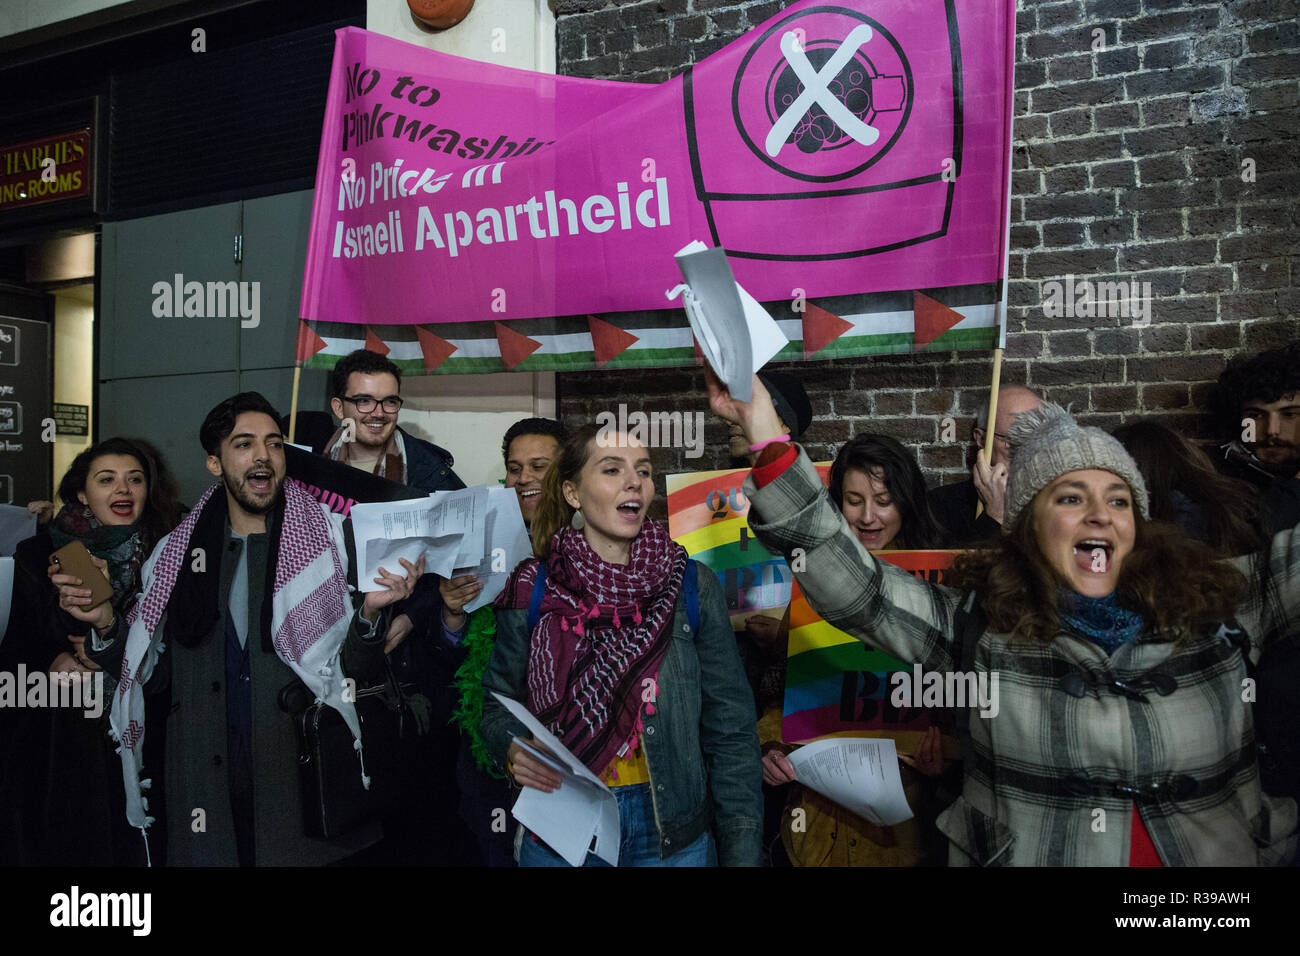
1100 620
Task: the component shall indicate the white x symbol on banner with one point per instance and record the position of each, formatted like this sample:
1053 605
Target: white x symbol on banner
815 83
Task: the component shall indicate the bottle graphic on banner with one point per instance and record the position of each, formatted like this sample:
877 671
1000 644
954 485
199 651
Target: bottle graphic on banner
831 113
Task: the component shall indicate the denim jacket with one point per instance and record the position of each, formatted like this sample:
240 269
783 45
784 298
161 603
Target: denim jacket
701 743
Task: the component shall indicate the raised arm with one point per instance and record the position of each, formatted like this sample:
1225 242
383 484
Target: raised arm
792 514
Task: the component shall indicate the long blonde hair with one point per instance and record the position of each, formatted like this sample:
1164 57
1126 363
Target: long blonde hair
553 512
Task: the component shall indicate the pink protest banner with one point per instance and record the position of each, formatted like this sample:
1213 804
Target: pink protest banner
849 158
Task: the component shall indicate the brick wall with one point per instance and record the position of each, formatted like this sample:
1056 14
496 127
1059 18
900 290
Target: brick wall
1128 165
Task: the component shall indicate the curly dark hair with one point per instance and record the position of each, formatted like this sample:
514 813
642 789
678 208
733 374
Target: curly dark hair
894 465
1180 586
1265 377
365 362
165 493
162 511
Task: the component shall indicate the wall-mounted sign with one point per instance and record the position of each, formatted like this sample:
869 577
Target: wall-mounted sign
24 406
71 419
45 170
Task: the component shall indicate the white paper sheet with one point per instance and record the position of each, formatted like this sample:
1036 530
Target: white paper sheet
16 524
467 509
736 334
439 556
582 808
504 529
859 773
447 528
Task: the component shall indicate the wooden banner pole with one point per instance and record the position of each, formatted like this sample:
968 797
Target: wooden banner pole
1009 111
990 426
293 404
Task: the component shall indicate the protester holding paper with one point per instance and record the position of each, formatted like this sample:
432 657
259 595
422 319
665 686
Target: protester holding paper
471 538
245 597
658 709
1122 737
879 489
365 398
528 448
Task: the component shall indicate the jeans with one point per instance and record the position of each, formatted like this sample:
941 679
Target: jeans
638 838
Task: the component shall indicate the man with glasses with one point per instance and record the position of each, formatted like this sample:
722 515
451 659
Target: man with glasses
364 389
424 828
954 505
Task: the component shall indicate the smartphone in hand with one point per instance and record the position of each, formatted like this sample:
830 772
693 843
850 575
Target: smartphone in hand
74 559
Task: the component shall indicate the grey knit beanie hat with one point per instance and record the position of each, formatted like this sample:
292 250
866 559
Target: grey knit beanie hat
1046 442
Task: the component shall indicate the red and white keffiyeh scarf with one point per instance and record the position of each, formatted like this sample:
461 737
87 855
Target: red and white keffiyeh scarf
310 616
602 631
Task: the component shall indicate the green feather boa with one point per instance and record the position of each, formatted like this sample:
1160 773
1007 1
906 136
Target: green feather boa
478 641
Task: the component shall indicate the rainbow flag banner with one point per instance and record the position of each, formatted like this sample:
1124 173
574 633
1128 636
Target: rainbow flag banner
836 686
708 515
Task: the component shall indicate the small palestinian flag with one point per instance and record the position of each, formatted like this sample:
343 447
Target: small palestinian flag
932 320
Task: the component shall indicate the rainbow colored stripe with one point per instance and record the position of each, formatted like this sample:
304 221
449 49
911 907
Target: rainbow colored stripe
836 686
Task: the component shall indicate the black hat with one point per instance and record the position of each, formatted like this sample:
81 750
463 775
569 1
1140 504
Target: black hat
789 399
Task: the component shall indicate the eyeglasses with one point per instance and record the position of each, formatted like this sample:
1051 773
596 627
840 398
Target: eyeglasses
366 403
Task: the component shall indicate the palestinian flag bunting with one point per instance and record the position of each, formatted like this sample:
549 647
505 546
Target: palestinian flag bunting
936 320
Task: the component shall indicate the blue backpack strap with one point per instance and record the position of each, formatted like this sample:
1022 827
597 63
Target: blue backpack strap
691 589
535 602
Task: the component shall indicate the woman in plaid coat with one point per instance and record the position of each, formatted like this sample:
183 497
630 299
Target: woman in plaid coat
1123 734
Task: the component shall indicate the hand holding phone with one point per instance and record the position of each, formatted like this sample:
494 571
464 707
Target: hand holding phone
82 580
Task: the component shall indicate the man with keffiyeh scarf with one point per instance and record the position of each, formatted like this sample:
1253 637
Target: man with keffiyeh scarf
247 594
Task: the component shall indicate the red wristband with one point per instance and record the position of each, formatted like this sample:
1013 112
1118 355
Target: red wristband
773 461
